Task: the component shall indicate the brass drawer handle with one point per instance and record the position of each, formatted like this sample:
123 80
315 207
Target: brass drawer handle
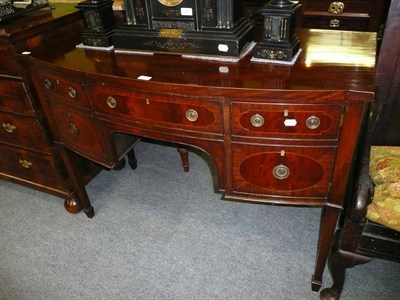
9 127
257 120
335 23
26 164
47 84
73 129
72 93
111 102
192 115
281 172
336 8
313 122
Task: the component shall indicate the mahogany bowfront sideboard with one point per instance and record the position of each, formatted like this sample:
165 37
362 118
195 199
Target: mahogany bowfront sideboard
277 134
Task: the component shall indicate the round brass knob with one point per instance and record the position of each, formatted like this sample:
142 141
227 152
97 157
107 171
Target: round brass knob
72 93
73 129
111 102
47 84
313 122
335 23
26 164
281 172
192 115
257 120
9 127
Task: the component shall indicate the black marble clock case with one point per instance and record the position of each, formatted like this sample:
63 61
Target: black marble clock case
207 27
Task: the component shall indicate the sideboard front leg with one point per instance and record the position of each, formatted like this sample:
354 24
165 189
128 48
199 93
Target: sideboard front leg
329 218
77 183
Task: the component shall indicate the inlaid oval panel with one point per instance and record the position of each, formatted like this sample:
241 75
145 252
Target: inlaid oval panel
287 172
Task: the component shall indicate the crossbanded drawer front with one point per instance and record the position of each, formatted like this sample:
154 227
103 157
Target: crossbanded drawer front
158 110
78 131
65 90
282 170
344 7
22 131
13 97
286 120
30 166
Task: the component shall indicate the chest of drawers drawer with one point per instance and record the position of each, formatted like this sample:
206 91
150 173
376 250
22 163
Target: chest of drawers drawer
13 97
286 171
286 120
29 166
78 131
161 111
64 89
22 131
359 15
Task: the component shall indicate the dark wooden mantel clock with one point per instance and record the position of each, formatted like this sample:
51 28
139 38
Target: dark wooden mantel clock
207 27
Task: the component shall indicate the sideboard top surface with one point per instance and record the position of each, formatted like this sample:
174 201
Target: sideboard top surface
329 60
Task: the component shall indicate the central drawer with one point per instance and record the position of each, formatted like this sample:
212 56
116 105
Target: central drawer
163 111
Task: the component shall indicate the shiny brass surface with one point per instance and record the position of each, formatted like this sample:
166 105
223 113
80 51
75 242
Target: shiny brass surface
313 122
111 102
72 93
73 129
336 8
47 84
170 3
281 172
26 164
192 115
9 127
257 120
170 33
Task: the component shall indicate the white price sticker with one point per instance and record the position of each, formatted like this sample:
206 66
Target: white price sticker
186 11
290 122
223 48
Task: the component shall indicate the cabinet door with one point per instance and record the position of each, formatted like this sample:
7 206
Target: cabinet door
293 171
78 131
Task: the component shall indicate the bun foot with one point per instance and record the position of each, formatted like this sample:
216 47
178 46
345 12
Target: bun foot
329 294
72 206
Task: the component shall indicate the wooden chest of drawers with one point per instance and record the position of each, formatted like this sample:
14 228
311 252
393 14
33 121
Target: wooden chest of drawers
356 15
28 155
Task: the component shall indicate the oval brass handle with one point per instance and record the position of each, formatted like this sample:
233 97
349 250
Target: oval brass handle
72 93
257 120
335 23
73 129
111 102
281 172
9 127
47 84
313 122
26 164
192 115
